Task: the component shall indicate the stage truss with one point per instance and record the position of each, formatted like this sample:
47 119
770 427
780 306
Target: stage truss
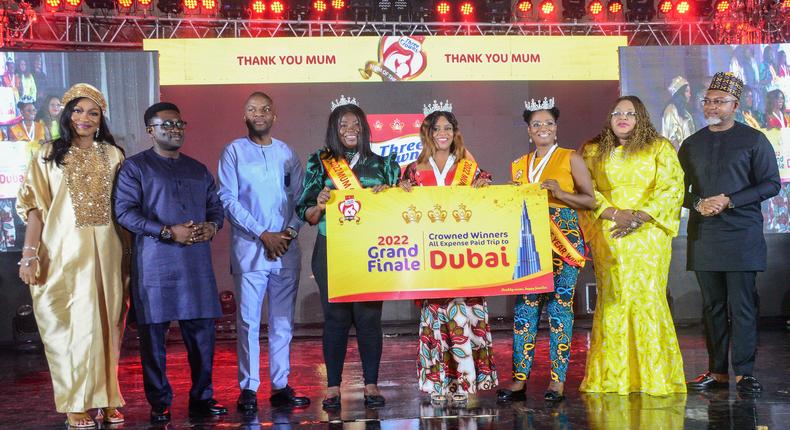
80 31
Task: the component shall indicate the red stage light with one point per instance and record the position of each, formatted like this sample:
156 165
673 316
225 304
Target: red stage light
53 4
443 8
595 7
74 3
665 6
277 7
319 6
258 7
190 4
683 7
338 4
144 3
615 6
547 7
786 4
125 4
209 5
722 6
524 6
467 8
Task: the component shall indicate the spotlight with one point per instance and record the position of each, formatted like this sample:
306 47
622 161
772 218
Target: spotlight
125 6
338 4
443 10
145 5
665 7
547 7
319 6
683 7
640 10
785 5
191 7
170 6
53 5
278 9
524 6
208 6
74 5
615 6
723 6
595 7
257 9
233 9
467 10
571 9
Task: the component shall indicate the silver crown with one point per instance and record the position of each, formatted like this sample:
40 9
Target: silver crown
534 105
446 106
27 99
343 100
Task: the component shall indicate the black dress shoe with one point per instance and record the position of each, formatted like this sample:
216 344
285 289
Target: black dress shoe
206 408
287 397
505 395
248 401
749 385
160 415
553 396
706 381
331 403
374 401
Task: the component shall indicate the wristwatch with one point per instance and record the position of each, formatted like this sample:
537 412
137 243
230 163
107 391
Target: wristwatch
730 205
292 232
166 233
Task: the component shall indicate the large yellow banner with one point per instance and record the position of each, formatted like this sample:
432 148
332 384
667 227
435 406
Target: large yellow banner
438 242
387 58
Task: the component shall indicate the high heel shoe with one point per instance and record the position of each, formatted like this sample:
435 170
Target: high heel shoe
331 403
553 396
505 395
374 401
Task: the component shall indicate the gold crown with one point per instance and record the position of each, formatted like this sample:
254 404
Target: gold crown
88 91
411 215
462 213
437 214
378 125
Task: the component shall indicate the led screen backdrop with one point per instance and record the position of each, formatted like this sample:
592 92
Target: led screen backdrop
660 76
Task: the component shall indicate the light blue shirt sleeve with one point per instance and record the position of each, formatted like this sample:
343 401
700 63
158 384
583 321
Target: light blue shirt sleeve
227 172
296 172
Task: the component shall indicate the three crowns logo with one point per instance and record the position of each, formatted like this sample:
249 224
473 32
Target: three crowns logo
397 125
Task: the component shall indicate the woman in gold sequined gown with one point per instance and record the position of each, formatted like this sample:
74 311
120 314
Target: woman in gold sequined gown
638 186
72 259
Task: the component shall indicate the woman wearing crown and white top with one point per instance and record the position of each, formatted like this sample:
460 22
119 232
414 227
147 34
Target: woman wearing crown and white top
455 346
562 172
347 150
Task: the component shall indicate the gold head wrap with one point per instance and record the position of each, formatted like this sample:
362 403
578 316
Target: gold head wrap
88 91
727 82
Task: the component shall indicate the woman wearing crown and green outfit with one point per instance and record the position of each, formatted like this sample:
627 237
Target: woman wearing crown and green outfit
345 162
455 347
563 174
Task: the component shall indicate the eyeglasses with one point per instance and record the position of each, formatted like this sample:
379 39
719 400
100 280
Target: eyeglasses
716 102
170 124
629 115
539 124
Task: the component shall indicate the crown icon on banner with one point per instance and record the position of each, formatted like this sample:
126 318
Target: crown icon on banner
343 100
411 215
437 214
534 105
462 213
446 106
397 125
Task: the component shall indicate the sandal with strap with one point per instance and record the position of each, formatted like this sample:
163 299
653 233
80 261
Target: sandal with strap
111 415
80 420
459 399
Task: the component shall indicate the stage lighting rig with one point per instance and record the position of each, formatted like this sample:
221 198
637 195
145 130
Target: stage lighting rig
572 9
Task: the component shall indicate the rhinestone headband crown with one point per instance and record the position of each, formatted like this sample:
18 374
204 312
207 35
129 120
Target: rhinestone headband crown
343 100
445 106
535 105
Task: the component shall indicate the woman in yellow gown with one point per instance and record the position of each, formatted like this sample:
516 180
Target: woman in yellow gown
72 258
638 185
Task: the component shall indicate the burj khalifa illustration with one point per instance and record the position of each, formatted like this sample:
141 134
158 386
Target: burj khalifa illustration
528 258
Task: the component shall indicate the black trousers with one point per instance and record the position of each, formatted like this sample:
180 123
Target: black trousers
199 336
729 309
338 318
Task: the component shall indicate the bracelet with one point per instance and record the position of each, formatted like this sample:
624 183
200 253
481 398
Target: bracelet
27 260
32 248
614 214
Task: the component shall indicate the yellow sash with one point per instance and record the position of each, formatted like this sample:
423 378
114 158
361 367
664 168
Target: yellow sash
559 243
465 172
340 173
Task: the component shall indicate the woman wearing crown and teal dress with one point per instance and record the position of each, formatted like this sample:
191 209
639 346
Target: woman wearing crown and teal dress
347 150
563 174
455 347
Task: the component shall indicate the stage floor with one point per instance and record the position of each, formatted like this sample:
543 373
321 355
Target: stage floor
26 393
